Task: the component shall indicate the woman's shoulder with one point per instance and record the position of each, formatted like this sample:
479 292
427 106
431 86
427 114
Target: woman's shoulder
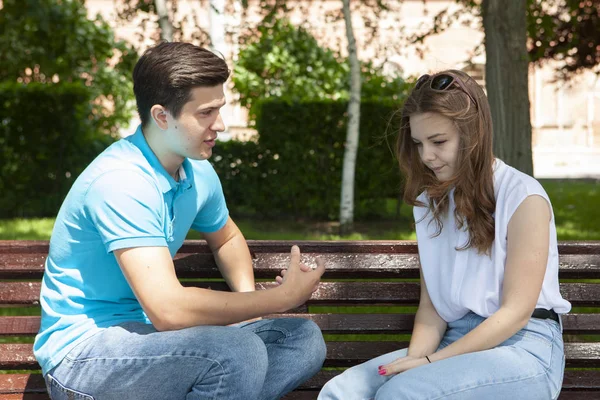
509 182
512 187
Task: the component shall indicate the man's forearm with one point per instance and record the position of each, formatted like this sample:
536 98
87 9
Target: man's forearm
235 263
191 306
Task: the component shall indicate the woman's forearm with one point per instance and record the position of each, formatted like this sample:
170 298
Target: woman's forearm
428 331
496 329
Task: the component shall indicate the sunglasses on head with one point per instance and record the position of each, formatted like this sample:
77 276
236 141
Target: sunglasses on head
441 82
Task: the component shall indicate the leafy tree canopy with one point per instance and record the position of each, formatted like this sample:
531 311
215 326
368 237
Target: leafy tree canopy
567 31
286 62
50 41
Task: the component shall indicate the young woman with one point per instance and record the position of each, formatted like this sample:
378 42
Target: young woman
488 324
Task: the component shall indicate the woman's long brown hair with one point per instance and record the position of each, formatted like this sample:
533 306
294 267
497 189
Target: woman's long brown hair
473 181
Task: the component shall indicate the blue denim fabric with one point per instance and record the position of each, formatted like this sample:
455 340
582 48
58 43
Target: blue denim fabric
258 360
528 366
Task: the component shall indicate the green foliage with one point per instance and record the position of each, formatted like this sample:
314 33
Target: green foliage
286 62
565 30
54 41
46 140
294 170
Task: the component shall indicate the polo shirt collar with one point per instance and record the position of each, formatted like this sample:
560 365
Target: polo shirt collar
165 181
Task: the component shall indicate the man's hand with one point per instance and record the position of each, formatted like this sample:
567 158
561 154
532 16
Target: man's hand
300 280
402 364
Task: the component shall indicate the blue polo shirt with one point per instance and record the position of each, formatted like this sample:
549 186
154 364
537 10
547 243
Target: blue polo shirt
123 199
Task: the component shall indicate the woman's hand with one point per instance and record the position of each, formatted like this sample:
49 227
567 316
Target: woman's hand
401 365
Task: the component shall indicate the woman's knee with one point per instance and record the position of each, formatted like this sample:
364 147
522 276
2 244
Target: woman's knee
335 389
354 383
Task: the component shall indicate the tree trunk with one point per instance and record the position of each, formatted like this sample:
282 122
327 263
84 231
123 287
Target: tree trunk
216 16
507 66
351 145
166 28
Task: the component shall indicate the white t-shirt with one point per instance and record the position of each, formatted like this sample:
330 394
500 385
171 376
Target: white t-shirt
462 281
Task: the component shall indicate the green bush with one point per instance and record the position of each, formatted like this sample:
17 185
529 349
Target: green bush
284 62
49 41
295 168
46 140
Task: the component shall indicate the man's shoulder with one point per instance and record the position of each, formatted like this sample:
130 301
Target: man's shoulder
120 157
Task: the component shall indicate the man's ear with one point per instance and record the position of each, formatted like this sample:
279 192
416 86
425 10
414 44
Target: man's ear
159 115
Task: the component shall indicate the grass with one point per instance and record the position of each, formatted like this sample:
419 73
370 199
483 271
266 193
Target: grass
576 208
575 204
26 229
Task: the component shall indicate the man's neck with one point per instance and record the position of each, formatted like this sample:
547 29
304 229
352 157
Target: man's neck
170 162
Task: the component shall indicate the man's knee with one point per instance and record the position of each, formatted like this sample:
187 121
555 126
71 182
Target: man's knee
312 342
250 354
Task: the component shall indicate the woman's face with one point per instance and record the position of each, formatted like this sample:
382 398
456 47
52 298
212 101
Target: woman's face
437 140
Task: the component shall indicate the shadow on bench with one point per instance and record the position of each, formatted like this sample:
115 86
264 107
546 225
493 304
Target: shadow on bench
388 280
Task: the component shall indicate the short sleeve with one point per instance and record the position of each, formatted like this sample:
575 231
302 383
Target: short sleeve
127 210
213 213
519 192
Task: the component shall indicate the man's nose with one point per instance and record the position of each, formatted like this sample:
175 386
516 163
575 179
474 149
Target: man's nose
218 125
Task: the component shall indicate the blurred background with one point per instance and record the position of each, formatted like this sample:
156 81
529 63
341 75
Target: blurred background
66 94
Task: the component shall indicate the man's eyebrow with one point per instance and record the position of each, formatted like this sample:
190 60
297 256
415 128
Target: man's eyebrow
212 106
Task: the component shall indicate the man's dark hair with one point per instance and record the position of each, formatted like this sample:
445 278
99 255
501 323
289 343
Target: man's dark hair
166 74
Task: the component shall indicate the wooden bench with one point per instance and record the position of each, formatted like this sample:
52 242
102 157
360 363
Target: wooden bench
388 274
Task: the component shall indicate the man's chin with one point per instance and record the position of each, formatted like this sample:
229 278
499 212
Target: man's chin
205 155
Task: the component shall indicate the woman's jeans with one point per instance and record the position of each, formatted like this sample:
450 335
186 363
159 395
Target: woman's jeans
528 366
258 360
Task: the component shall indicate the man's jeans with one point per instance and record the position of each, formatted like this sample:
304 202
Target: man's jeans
263 359
528 366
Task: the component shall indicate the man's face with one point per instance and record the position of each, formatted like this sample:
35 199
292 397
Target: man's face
437 140
193 133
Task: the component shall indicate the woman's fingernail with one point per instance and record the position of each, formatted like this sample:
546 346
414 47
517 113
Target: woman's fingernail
381 366
382 371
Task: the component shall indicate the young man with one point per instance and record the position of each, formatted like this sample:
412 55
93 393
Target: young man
116 322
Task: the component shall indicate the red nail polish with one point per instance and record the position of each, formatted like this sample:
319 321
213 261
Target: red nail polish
381 366
382 371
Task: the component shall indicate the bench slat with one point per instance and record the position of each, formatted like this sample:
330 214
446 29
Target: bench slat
34 383
573 324
339 354
27 293
268 265
584 294
308 246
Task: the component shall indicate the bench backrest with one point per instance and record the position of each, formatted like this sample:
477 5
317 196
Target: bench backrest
365 304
